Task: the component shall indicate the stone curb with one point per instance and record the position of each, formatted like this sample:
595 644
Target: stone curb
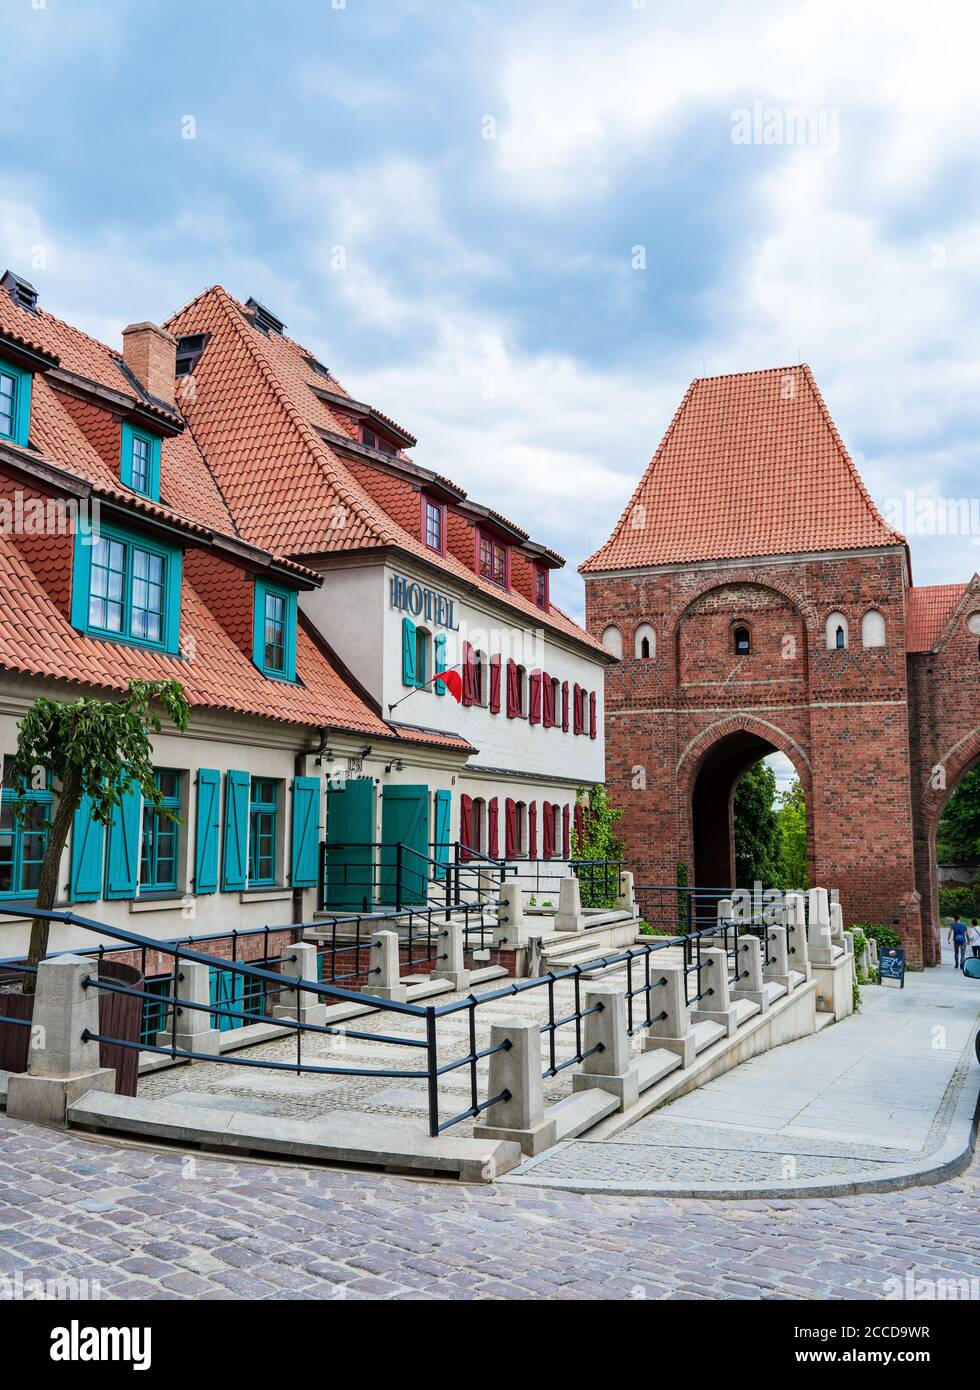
949 1160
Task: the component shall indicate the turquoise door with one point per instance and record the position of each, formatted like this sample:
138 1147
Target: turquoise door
350 846
405 821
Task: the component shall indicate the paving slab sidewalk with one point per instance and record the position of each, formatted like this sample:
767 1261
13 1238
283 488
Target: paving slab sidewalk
886 1099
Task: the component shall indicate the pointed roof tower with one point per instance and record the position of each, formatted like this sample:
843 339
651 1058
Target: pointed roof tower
751 465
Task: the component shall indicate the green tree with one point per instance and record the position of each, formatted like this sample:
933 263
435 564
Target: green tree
757 832
958 836
94 748
597 841
791 817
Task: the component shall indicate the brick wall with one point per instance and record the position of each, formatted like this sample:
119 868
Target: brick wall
685 724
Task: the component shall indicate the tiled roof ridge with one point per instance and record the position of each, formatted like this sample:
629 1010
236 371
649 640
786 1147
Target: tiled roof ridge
217 482
647 474
308 435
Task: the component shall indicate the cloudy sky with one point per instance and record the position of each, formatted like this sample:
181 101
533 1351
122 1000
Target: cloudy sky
522 226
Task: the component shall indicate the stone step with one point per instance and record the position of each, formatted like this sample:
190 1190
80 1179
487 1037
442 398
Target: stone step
579 1112
343 1136
653 1066
705 1034
745 1009
797 977
773 990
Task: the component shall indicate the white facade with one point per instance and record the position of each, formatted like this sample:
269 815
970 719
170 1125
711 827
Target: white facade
361 609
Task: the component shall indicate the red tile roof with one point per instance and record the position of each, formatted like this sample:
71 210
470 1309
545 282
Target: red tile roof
752 464
81 437
928 608
37 639
256 415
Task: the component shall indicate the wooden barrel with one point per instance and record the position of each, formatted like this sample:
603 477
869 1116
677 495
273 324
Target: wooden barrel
15 1041
120 1016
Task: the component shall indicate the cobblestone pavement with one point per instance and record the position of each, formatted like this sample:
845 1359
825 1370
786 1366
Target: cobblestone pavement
152 1224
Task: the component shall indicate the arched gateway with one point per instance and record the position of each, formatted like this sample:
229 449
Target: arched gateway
778 613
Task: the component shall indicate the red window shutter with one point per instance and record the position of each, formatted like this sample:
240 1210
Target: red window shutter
547 702
466 821
495 684
532 830
510 828
592 715
493 838
566 833
564 706
576 709
512 689
535 697
469 675
548 837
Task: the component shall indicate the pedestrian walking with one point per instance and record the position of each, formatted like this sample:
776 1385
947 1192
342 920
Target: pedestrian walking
957 935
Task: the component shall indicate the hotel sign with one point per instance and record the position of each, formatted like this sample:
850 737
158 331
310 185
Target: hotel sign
423 602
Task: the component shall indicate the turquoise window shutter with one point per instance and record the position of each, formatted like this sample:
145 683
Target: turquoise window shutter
122 854
227 992
444 802
87 843
234 864
207 832
408 652
440 645
306 830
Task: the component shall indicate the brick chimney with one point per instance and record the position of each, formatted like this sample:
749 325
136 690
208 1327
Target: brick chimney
150 353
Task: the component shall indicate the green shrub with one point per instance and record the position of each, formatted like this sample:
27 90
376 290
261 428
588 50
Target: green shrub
884 937
965 901
651 929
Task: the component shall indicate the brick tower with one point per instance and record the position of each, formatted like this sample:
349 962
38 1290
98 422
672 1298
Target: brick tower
759 602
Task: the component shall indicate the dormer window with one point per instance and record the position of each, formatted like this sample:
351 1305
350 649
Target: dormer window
140 464
542 595
15 404
373 440
126 588
434 524
274 633
492 557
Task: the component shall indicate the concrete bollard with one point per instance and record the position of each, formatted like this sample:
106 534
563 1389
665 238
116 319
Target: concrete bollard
873 952
749 972
778 952
837 924
194 1032
716 1006
820 946
848 938
796 938
608 1069
300 964
451 946
385 958
569 916
626 896
61 1067
515 1073
512 925
673 1031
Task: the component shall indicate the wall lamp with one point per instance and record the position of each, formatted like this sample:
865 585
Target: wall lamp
396 764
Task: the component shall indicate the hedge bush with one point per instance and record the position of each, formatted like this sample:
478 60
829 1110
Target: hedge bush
965 901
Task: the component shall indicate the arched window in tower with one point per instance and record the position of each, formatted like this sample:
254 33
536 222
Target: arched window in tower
836 632
645 642
612 640
742 640
872 629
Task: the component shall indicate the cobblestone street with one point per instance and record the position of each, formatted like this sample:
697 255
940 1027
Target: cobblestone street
149 1224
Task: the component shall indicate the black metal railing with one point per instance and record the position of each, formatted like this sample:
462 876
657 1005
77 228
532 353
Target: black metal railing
562 1017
